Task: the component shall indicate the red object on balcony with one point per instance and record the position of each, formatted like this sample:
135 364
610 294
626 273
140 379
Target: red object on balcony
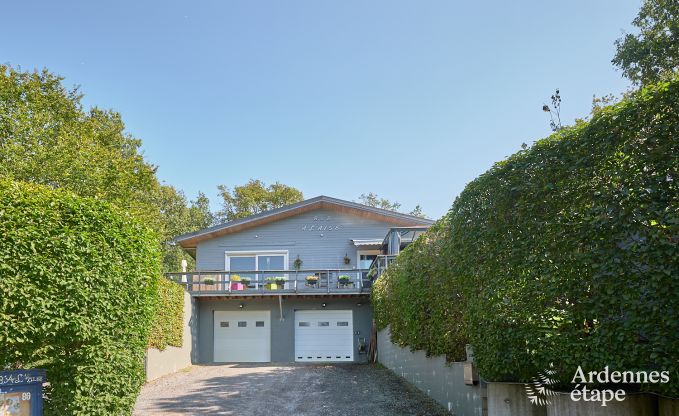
237 286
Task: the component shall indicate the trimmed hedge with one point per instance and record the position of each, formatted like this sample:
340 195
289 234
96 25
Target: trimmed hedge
565 253
416 297
168 320
77 290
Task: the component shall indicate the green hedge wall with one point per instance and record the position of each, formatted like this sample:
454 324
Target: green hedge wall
168 319
565 253
77 290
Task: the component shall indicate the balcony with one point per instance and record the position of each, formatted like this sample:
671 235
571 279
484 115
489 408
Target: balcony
380 264
275 282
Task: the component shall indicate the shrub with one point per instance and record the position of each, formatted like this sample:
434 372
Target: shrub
564 253
419 300
77 290
168 319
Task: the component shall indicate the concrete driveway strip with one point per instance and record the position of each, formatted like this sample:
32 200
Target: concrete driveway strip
272 390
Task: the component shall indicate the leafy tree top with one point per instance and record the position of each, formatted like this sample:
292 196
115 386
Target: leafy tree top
46 137
255 197
371 199
653 53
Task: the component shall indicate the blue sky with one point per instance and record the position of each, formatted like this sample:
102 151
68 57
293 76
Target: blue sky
408 99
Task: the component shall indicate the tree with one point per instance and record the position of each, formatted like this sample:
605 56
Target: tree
652 54
255 197
200 215
46 137
418 212
373 200
178 216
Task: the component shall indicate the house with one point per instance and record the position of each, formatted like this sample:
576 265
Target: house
291 284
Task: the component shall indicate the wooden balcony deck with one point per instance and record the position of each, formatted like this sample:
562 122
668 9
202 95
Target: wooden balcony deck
317 282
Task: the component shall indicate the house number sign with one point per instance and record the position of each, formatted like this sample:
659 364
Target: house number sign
21 392
320 224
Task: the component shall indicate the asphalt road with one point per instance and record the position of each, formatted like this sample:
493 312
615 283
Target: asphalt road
318 390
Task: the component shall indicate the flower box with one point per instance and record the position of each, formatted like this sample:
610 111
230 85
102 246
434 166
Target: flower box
273 286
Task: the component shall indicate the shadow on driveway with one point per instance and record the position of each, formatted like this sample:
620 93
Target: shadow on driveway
244 389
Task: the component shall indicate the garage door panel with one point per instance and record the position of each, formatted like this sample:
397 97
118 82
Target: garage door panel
324 335
238 338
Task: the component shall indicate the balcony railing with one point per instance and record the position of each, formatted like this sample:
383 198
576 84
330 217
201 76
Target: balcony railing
380 264
258 282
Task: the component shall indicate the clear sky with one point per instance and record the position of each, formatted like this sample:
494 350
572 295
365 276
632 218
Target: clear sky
408 99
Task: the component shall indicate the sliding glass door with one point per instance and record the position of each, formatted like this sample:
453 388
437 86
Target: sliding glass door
243 263
258 261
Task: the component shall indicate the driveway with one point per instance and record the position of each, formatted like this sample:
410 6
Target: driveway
319 390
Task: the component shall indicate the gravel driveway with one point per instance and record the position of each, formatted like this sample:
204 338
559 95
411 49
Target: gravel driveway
244 389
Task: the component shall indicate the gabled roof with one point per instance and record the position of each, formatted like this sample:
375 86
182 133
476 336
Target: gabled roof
191 239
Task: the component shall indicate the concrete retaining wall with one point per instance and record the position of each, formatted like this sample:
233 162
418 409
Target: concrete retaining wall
633 405
442 382
509 399
668 407
171 359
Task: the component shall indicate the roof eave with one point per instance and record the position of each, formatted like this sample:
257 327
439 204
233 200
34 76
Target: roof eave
190 240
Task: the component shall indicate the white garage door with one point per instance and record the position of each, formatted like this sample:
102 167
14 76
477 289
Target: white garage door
325 335
242 336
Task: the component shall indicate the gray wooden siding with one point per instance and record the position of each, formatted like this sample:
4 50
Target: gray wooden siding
318 248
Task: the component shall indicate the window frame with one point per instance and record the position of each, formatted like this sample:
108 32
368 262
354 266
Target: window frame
256 254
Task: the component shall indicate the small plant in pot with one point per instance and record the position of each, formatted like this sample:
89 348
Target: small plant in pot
311 280
245 281
236 282
209 281
344 280
347 259
275 282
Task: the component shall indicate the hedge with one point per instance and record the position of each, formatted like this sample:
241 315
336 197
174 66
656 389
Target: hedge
167 326
77 290
565 253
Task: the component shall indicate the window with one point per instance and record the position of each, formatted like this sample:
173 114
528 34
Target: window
304 324
224 324
259 323
365 260
256 261
342 323
242 324
324 324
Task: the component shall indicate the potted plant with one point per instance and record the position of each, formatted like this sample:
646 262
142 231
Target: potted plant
209 284
297 264
311 280
347 259
236 282
275 282
344 280
246 282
